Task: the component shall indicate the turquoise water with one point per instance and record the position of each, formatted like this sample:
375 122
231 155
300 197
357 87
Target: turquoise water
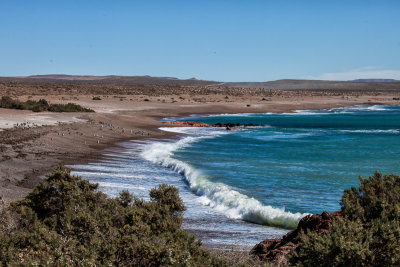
301 161
252 183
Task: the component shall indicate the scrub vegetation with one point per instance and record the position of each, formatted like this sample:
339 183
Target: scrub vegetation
367 235
41 105
67 221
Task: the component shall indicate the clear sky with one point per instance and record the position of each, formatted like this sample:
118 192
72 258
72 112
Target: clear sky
215 40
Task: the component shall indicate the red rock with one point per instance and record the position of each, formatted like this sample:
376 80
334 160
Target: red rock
277 250
188 123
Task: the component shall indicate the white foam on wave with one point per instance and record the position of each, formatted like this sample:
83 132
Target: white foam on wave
109 175
309 112
361 108
341 110
218 115
390 131
283 136
331 111
217 195
233 114
122 186
196 131
377 107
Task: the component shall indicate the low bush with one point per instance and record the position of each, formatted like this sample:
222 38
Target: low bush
367 235
41 105
70 107
66 221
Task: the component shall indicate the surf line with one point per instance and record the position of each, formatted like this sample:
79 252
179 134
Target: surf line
219 196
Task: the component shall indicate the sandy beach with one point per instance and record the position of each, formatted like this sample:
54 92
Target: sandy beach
43 140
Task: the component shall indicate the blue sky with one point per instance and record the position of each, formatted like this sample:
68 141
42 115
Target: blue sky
215 40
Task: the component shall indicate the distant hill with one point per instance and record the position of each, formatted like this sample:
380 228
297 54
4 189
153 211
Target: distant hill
375 80
313 85
67 77
362 84
121 79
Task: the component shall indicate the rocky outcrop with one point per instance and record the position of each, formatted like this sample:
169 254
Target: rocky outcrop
277 250
228 126
188 123
231 125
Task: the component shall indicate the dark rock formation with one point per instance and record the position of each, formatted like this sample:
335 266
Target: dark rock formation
277 250
188 123
231 125
227 126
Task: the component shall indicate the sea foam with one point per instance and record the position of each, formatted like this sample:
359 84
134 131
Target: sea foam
219 196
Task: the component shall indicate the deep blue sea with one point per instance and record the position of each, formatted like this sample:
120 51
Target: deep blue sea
245 185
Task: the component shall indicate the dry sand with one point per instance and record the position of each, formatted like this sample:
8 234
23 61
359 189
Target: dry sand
49 139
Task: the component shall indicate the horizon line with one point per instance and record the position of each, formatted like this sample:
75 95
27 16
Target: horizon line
34 76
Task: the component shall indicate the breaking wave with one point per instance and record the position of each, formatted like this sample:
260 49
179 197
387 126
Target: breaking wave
219 196
389 131
345 110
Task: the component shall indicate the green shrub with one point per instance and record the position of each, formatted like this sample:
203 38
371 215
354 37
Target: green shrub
41 105
66 221
367 235
70 107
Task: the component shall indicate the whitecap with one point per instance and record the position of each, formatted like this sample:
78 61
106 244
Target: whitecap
219 196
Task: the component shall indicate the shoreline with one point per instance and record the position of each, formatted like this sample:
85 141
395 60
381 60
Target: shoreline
28 154
206 237
130 152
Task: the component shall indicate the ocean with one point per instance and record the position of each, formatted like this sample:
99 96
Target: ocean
252 183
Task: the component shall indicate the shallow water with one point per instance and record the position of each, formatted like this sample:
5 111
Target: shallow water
296 163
